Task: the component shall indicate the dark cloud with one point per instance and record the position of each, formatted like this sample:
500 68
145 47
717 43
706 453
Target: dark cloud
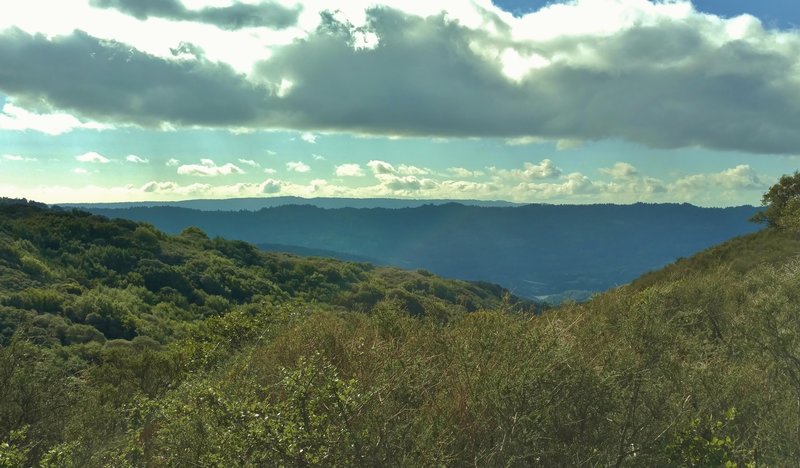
236 16
143 9
667 85
111 82
243 15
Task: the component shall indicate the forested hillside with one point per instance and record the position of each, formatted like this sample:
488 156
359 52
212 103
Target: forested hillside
127 347
101 279
533 250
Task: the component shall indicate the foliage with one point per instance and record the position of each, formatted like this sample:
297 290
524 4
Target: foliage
782 202
141 349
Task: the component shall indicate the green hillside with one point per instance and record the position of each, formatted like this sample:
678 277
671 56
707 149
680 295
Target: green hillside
123 346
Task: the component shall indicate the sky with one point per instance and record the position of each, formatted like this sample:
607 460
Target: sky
581 101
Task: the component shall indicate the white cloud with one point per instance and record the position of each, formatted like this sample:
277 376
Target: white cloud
208 168
464 173
317 184
17 158
408 184
546 169
151 187
525 140
92 157
741 177
249 162
132 158
297 166
13 117
349 170
621 171
739 184
573 184
269 170
308 137
381 167
173 163
412 170
318 157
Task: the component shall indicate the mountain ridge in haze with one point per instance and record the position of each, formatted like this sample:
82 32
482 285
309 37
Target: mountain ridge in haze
534 250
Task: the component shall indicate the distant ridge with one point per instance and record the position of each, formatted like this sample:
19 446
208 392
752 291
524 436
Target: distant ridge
255 204
533 250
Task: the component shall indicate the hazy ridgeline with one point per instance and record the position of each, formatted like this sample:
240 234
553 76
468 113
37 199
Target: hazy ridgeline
534 250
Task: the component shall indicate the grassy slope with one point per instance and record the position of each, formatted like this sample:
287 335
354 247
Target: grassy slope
739 255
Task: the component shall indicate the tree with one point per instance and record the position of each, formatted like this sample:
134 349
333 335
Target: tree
783 204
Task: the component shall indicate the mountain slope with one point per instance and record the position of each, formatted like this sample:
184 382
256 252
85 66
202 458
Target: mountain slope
533 250
694 365
142 282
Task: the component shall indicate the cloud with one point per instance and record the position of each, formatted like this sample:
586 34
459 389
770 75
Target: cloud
152 187
269 171
655 73
170 190
462 172
380 168
132 158
412 170
309 137
408 184
741 177
297 166
17 158
92 157
271 186
317 184
739 184
620 170
173 162
249 162
574 184
208 168
80 170
565 144
524 140
236 16
16 118
113 83
544 170
658 77
349 170
318 157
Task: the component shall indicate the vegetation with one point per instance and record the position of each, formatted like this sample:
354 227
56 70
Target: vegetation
782 202
123 346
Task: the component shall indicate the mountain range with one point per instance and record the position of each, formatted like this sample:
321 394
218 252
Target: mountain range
548 252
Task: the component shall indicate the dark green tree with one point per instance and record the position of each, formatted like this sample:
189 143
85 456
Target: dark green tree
782 202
